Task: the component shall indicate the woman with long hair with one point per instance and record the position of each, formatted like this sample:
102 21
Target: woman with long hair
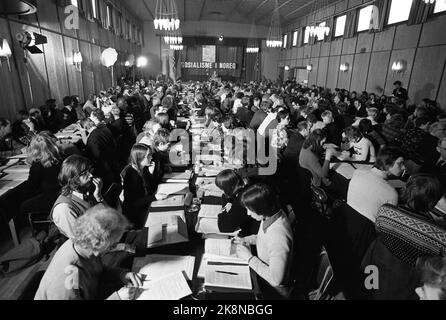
42 187
140 181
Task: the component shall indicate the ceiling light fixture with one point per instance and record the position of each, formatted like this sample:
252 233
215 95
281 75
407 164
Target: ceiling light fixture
274 39
166 15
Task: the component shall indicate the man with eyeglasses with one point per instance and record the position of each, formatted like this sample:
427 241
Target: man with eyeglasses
80 191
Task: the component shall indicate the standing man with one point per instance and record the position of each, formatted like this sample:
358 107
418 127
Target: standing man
400 93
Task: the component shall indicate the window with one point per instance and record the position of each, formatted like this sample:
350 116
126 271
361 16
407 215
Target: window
295 38
109 16
440 6
306 35
365 15
340 25
399 11
285 40
94 8
74 3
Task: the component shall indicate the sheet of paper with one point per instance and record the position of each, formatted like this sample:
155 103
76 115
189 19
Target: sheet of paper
174 227
344 169
177 177
206 225
171 201
18 169
220 247
9 184
157 265
210 211
170 287
227 276
16 176
155 233
363 166
173 188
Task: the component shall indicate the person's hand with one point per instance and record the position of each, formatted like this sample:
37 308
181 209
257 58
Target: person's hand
240 240
243 252
329 153
98 184
227 207
132 279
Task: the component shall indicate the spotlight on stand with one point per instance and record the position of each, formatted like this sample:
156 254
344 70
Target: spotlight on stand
221 38
30 41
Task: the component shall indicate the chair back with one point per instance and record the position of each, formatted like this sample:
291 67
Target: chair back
324 277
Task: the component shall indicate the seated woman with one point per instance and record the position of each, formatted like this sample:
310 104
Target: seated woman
274 241
279 137
76 271
363 149
406 233
312 150
149 130
234 216
367 130
42 187
80 191
140 183
432 271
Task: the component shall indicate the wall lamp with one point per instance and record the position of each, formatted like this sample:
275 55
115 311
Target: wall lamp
5 52
77 59
399 66
344 67
309 67
287 68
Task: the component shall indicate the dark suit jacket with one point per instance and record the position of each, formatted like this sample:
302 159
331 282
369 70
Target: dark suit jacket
244 115
67 117
257 119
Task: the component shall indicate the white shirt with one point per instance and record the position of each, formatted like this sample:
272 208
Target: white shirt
363 148
368 191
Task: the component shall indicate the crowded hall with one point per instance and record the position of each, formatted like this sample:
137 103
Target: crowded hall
222 150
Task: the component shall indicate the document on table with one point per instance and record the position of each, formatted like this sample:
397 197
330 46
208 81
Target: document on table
173 188
209 211
157 265
171 287
227 277
171 201
183 177
174 228
18 169
344 169
222 250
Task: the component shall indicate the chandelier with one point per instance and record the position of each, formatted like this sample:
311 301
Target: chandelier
274 39
166 15
253 43
176 47
173 37
319 30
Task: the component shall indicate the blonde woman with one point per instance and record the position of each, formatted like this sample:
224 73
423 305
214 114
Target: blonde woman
42 187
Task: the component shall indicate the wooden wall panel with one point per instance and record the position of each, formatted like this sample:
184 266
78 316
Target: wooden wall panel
425 79
349 46
307 51
434 32
316 49
379 63
333 69
407 36
360 71
87 69
322 71
56 64
365 42
97 67
312 77
384 40
48 17
344 78
441 97
336 47
325 49
405 55
74 76
300 53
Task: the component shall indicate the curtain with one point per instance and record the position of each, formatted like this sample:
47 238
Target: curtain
351 24
383 7
420 11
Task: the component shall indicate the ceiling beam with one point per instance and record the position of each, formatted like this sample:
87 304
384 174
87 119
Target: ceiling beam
202 9
148 9
298 9
230 12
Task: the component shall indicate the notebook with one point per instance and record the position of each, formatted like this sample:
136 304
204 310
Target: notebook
227 277
157 265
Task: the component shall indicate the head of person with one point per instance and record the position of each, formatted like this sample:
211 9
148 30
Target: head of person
121 103
67 101
432 273
97 116
151 127
161 139
422 192
229 182
156 101
5 128
390 160
216 119
302 128
365 126
315 141
441 148
260 201
372 97
372 113
163 119
357 103
283 117
99 229
91 97
327 117
140 157
76 174
353 134
44 150
397 84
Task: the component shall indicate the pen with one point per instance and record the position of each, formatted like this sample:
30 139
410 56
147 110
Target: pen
226 272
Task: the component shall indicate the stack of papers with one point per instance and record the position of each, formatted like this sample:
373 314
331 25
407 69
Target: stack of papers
210 211
157 265
171 201
171 287
227 277
173 188
222 250
166 228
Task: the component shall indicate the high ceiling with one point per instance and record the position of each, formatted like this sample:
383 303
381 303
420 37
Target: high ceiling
240 11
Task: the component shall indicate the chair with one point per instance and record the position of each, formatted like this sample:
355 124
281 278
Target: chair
324 278
39 221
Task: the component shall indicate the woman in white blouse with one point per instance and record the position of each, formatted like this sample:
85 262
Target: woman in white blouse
274 240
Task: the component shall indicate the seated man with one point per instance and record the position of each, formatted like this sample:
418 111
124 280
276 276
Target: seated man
368 189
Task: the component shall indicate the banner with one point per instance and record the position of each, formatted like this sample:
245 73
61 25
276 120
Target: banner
209 65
